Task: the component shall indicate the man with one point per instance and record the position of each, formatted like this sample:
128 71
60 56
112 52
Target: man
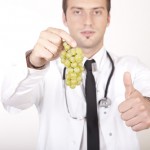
62 111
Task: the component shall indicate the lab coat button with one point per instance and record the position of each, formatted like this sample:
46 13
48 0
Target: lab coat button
110 134
105 112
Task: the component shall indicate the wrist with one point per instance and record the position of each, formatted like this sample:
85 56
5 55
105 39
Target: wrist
29 64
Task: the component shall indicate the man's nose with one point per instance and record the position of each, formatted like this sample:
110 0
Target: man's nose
88 19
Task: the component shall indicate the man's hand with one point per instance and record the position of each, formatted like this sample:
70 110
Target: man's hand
135 110
49 46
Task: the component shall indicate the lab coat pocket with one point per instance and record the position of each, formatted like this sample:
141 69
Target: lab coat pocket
75 102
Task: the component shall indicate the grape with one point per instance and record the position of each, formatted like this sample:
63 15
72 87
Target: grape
77 70
67 63
74 65
72 59
70 70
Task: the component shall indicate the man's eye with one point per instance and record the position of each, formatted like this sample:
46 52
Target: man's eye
77 12
97 12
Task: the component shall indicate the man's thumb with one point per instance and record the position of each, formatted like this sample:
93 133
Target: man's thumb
129 88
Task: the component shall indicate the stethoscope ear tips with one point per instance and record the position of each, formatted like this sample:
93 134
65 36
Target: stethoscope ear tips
104 102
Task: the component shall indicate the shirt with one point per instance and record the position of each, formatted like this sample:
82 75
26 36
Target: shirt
58 105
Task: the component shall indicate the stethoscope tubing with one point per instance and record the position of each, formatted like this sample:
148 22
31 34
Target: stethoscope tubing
110 76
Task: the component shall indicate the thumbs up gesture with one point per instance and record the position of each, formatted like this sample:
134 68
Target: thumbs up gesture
135 110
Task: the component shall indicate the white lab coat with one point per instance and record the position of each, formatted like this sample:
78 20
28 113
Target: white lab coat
24 87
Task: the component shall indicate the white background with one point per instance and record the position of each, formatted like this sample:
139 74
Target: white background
21 21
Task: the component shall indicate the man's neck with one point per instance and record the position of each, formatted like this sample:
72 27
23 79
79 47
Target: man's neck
89 53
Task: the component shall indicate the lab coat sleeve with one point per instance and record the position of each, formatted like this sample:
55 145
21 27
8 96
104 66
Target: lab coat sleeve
22 87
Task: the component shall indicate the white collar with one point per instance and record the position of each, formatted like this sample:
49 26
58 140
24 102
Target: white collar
97 57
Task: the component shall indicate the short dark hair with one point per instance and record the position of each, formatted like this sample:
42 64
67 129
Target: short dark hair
64 5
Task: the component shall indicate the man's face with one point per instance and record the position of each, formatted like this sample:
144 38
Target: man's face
87 21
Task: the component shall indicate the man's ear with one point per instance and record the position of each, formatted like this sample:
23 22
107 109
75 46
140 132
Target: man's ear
108 20
64 19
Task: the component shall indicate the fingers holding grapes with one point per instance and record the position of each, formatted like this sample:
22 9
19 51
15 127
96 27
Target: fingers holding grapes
49 45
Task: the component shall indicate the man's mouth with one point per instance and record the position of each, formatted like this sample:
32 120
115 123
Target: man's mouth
87 33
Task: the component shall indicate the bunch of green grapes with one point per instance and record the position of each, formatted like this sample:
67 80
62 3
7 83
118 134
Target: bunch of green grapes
72 59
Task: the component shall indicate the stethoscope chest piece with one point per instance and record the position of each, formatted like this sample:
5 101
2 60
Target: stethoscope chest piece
105 102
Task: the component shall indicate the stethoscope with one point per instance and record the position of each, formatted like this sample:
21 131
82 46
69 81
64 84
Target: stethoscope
105 101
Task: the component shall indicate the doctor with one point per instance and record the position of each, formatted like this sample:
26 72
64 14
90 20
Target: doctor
38 80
